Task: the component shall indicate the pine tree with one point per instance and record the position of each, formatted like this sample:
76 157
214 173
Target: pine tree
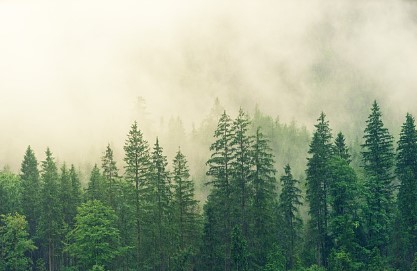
160 199
185 211
219 199
50 220
406 169
76 193
137 172
241 165
95 189
264 198
341 149
110 173
378 158
317 172
290 200
30 189
343 220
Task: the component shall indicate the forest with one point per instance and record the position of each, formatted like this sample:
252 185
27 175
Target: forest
337 206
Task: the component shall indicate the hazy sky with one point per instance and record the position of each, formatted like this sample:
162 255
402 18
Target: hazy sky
71 72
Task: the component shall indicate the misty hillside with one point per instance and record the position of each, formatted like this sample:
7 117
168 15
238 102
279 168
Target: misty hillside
208 135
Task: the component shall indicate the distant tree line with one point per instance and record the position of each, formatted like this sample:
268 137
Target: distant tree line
148 218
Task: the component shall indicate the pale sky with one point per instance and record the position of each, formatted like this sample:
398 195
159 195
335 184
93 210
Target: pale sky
71 71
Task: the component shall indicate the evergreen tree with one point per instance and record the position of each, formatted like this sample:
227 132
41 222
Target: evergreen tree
95 189
50 220
110 173
318 177
241 165
290 200
160 200
219 199
406 169
76 193
378 158
14 243
341 149
137 172
239 250
264 198
343 220
185 211
29 175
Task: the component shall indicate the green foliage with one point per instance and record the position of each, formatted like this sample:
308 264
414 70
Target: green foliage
110 174
50 220
240 252
276 260
137 162
264 199
290 200
318 176
186 212
95 240
14 243
406 169
341 261
29 175
378 158
10 192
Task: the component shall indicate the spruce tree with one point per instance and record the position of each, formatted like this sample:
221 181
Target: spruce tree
317 172
110 173
264 198
76 192
185 207
50 220
219 200
241 166
340 148
289 202
137 172
29 175
378 159
160 203
95 189
406 169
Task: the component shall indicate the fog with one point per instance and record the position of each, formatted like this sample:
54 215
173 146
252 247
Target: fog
75 74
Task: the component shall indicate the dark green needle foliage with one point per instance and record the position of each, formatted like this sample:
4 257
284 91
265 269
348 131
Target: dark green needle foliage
289 202
406 169
378 161
29 174
318 176
264 199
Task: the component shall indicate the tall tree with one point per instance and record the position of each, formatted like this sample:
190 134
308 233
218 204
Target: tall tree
219 199
137 171
264 198
76 193
317 172
378 159
185 211
290 200
341 149
29 174
110 173
241 169
14 243
50 220
406 169
160 199
343 220
95 189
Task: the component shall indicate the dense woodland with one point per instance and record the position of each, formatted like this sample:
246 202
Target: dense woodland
336 207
